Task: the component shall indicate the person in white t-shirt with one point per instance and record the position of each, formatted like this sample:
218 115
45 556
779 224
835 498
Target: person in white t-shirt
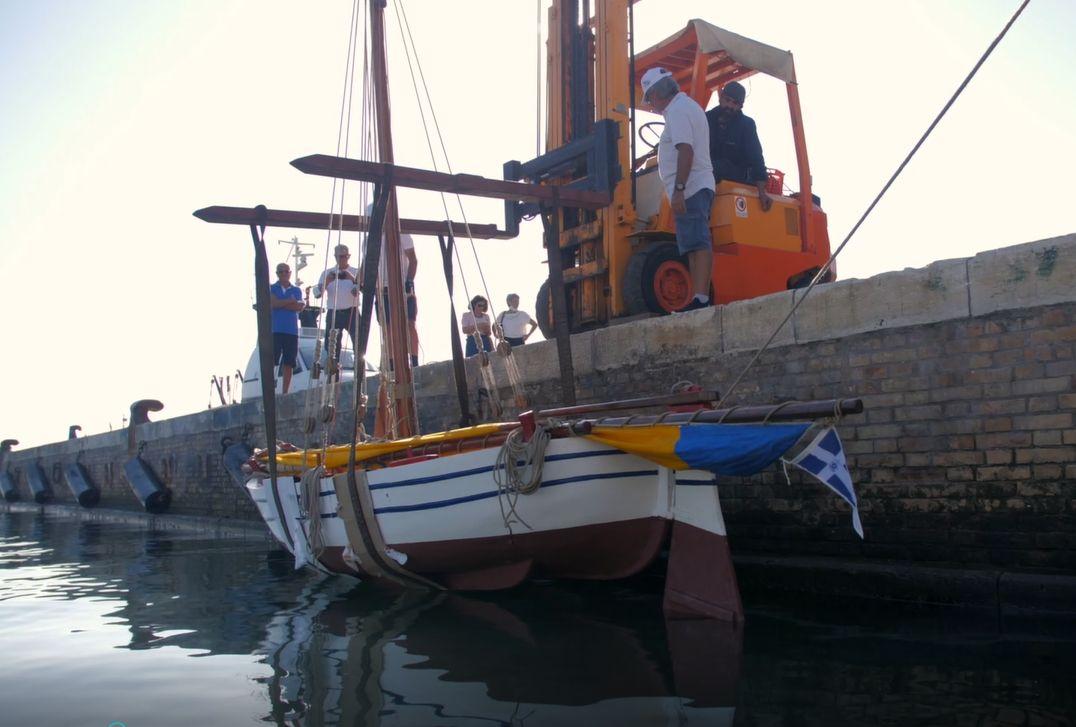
514 325
685 169
340 286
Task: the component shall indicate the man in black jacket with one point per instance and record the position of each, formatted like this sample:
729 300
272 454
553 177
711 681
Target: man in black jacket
735 150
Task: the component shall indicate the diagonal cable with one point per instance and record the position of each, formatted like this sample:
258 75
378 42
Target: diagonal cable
829 263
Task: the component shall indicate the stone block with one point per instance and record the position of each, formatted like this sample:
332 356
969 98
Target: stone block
748 324
582 354
1036 593
622 345
1023 276
909 297
435 379
538 362
683 336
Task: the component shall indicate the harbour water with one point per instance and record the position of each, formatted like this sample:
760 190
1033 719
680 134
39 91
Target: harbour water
111 625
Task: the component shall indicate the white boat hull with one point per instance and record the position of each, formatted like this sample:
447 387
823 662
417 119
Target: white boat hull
600 513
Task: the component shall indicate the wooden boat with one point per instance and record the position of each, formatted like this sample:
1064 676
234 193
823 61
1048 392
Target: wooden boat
602 502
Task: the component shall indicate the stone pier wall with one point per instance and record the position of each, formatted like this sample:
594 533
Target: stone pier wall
965 456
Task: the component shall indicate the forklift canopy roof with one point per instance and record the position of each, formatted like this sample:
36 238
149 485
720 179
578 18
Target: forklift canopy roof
730 56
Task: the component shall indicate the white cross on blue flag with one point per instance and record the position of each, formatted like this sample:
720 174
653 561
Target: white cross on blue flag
824 458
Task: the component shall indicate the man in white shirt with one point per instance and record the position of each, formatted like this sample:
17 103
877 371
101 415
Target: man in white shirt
686 171
340 286
512 324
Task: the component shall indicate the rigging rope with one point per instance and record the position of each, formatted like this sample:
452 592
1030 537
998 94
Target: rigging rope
485 367
448 164
829 263
514 376
321 396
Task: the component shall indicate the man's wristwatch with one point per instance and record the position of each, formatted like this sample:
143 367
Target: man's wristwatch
679 187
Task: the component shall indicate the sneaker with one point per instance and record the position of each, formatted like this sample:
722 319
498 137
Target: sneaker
695 304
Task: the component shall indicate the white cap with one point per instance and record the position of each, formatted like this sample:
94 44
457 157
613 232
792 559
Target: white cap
651 77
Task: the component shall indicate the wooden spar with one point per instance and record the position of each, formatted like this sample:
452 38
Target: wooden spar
470 184
398 325
459 373
351 223
265 360
368 287
788 411
681 399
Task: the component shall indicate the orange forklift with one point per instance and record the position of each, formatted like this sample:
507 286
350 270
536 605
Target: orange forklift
622 260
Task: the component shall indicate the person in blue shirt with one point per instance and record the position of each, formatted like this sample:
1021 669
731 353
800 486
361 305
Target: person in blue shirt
287 301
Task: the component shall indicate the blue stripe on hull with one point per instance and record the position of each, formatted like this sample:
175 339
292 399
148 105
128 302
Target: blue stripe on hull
484 495
490 468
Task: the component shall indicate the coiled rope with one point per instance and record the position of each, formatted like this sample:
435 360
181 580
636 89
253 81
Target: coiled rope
518 471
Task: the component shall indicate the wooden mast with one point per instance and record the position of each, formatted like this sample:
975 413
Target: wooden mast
397 334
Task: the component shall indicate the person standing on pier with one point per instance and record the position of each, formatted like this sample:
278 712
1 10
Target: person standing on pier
686 171
340 286
514 325
286 301
477 326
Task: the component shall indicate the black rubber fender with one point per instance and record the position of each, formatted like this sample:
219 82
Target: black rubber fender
147 486
8 488
81 484
39 484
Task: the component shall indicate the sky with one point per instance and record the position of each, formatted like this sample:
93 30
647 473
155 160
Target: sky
121 117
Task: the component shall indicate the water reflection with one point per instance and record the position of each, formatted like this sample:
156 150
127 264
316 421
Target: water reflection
290 649
547 655
345 654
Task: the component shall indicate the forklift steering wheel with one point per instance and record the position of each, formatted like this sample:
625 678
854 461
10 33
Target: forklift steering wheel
653 127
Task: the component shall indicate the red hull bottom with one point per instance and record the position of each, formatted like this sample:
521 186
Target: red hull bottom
700 582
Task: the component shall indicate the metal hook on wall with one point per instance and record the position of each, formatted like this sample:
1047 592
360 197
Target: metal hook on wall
144 482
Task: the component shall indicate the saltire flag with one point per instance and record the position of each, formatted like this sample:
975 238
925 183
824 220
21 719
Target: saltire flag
724 449
824 459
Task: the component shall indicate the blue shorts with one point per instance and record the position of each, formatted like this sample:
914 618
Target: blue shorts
472 347
285 349
693 227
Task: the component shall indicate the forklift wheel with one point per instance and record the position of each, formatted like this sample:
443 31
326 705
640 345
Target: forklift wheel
657 280
543 312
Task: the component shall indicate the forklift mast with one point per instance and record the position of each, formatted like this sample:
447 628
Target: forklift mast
588 80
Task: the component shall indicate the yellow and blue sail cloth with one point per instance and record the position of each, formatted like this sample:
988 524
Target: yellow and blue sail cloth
724 449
